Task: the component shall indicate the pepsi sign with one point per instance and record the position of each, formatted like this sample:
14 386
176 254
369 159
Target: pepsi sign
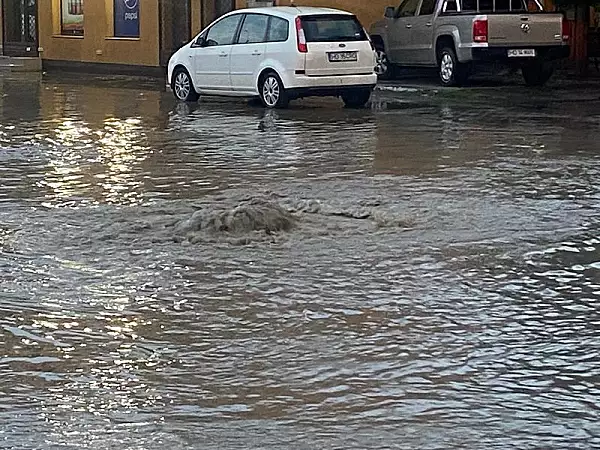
127 18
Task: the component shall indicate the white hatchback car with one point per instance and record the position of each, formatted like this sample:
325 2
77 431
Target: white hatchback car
278 54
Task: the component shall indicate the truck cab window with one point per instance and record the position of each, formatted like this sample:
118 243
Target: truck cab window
408 8
427 7
450 6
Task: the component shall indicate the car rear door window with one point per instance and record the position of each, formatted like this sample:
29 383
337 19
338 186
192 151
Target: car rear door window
333 28
254 29
279 30
223 32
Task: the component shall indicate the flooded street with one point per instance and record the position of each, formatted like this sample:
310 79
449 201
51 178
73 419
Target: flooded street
423 274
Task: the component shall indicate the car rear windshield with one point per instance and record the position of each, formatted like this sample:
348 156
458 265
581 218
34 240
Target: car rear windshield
333 28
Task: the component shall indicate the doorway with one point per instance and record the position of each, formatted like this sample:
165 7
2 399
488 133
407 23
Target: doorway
20 27
175 25
213 9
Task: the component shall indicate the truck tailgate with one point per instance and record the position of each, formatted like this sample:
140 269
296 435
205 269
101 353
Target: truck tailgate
514 30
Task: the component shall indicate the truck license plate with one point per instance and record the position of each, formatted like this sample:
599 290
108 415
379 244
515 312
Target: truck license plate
342 56
521 53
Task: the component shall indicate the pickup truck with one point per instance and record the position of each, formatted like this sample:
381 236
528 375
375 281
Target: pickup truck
458 36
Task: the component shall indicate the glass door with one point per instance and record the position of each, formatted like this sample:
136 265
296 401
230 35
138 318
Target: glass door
20 27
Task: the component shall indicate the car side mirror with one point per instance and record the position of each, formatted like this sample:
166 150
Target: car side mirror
390 12
200 42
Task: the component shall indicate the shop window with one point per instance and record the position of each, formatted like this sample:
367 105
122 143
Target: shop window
127 18
71 17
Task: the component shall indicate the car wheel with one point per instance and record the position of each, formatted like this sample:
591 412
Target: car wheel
451 71
383 67
183 88
537 73
272 92
357 98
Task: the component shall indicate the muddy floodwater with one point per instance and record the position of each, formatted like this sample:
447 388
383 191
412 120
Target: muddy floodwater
422 274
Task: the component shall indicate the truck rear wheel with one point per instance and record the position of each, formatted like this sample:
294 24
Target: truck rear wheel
537 73
451 71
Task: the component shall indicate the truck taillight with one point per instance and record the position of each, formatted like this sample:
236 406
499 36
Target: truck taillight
480 30
302 47
566 29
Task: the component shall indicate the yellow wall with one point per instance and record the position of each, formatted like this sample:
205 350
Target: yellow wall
368 11
98 44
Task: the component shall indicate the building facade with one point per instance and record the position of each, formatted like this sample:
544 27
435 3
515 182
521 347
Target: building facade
124 35
127 35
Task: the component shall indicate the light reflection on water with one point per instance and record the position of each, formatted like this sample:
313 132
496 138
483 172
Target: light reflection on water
475 326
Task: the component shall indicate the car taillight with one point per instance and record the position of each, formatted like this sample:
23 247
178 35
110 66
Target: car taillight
302 47
566 29
480 30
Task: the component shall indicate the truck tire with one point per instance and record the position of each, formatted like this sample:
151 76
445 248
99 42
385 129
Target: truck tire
383 67
451 71
537 73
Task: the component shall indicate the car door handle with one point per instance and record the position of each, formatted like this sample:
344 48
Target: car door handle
428 24
408 25
256 53
223 55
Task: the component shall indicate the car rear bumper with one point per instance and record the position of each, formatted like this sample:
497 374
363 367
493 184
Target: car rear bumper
500 54
303 82
326 91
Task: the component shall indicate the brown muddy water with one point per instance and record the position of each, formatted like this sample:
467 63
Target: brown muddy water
424 274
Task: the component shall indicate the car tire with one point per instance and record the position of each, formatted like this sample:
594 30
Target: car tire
272 92
183 87
383 67
356 98
537 73
450 70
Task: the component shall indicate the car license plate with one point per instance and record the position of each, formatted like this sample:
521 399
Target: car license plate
343 56
521 53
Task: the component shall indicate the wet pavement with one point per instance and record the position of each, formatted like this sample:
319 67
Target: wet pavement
421 274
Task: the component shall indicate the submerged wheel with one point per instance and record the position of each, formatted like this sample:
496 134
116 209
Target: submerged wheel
451 71
182 85
272 92
356 98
